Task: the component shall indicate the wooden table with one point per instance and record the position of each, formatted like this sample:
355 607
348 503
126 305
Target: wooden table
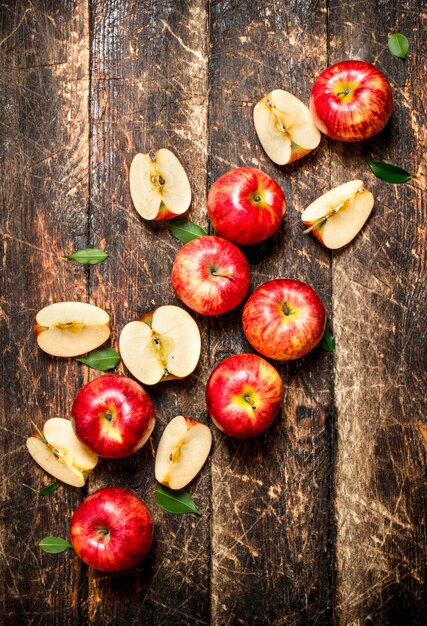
322 519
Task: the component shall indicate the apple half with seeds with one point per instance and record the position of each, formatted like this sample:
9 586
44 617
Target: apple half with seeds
285 127
61 453
336 217
159 186
183 449
163 345
71 328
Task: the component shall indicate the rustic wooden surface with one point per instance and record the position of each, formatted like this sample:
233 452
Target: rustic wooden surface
322 519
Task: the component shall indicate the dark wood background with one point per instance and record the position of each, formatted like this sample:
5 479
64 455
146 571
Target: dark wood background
322 519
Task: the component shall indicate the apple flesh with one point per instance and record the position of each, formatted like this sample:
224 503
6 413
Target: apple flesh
336 217
163 345
159 186
60 453
182 451
285 127
112 530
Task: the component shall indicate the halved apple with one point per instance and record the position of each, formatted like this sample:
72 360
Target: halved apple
163 345
61 453
159 186
336 217
183 449
285 127
71 328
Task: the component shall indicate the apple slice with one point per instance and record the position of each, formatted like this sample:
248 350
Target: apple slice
336 217
159 186
182 452
163 345
285 127
61 453
71 328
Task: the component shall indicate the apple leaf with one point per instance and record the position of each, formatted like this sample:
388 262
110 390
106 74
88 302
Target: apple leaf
54 545
102 360
398 45
328 342
388 172
186 231
258 252
176 501
88 256
45 491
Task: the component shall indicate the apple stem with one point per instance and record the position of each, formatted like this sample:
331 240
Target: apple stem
101 530
250 402
109 416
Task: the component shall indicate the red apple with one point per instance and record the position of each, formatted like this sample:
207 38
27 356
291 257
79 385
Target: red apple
243 395
351 101
284 319
210 275
112 530
113 415
246 206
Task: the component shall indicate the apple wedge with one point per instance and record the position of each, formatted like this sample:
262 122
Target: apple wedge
61 453
336 217
159 186
285 127
71 328
163 345
182 451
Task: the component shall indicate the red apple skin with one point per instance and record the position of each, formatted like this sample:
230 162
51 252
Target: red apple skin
210 275
243 395
113 415
112 530
284 319
246 206
351 101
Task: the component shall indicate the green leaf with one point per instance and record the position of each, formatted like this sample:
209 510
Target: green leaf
46 491
186 231
88 256
388 172
176 501
328 341
54 545
259 251
102 360
398 45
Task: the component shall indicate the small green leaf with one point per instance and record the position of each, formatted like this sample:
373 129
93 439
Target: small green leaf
398 45
328 341
258 252
46 491
54 545
185 231
102 360
88 256
176 501
388 172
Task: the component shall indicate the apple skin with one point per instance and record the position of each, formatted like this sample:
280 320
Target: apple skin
112 530
243 395
113 415
246 206
351 101
210 275
284 319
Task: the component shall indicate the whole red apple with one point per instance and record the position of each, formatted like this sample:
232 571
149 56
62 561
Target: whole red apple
351 101
113 415
112 530
284 319
246 206
210 275
243 395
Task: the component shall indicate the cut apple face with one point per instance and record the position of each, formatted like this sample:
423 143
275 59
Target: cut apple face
182 452
161 346
159 186
285 127
71 328
336 217
60 453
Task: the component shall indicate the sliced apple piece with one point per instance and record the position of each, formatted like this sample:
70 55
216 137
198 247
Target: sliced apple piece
336 217
159 186
285 127
61 453
163 345
183 449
